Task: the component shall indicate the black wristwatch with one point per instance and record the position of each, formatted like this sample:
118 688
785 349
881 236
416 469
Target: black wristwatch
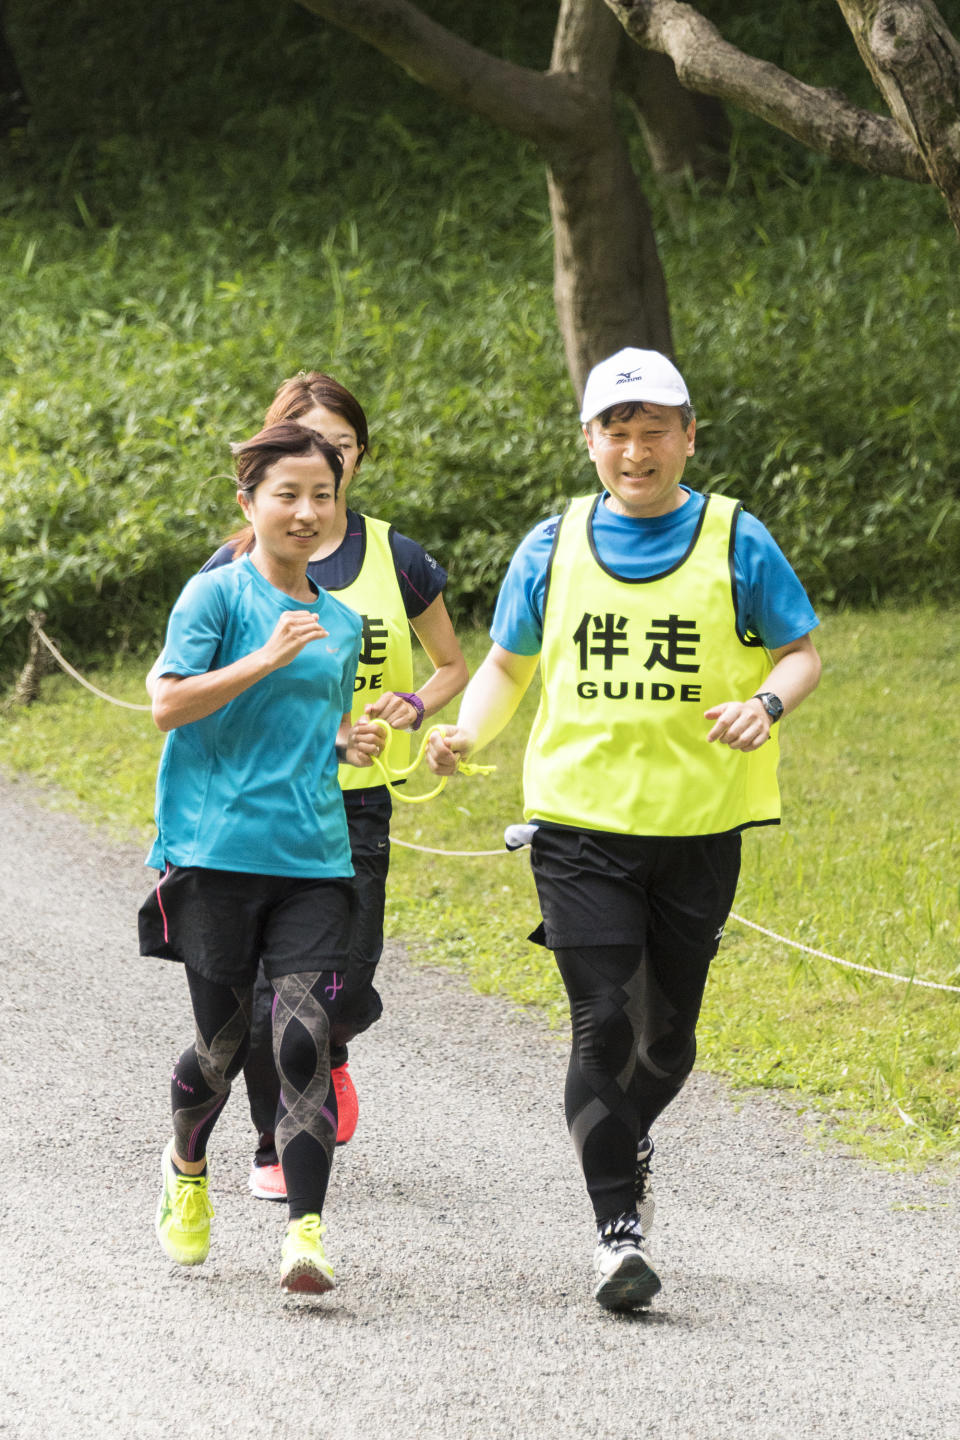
771 703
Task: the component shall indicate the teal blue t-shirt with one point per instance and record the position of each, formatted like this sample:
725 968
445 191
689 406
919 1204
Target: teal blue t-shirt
253 787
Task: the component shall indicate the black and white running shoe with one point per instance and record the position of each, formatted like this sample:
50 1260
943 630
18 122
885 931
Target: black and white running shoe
625 1278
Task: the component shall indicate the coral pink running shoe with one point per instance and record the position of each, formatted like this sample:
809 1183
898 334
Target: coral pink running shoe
348 1107
266 1182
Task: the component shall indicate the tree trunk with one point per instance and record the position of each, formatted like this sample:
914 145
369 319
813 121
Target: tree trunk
38 662
915 64
685 133
609 286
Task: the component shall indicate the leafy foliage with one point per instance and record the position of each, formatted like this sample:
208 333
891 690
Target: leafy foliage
155 287
827 374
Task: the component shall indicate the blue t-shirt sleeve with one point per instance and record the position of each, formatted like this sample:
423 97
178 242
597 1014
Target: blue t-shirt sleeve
420 577
195 628
771 602
518 618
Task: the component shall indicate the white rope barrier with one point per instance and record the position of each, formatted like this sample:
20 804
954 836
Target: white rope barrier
64 665
773 935
847 964
478 854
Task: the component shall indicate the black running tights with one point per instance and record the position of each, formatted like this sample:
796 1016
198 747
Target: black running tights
633 1045
307 1120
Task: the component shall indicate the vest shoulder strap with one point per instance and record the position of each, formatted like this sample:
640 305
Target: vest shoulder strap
577 503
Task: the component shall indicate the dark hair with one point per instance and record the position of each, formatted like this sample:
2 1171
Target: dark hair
302 392
629 409
295 397
254 457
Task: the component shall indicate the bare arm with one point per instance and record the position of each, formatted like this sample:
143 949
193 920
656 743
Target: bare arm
181 699
434 630
152 676
744 724
489 703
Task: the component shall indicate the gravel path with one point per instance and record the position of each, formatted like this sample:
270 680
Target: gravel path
805 1294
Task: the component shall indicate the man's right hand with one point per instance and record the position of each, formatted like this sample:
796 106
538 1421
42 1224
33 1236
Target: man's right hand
446 747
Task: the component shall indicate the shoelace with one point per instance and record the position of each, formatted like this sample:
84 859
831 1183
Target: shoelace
310 1227
622 1227
192 1202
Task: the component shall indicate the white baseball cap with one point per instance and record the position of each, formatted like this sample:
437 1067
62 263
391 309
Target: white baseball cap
629 376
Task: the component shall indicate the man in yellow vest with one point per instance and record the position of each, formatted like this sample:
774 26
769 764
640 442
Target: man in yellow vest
671 635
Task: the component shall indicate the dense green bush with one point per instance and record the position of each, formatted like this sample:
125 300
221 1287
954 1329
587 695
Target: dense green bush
828 369
99 67
154 288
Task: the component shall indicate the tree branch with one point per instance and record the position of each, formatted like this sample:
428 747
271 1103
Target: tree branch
915 63
548 108
821 119
608 283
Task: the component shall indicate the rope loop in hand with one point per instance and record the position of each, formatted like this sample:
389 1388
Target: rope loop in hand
463 767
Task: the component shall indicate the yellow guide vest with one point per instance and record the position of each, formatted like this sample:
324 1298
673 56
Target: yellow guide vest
628 667
386 655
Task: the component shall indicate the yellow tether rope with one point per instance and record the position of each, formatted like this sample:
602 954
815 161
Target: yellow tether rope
463 767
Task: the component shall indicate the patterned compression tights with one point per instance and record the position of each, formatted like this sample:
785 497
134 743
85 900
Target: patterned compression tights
633 1046
201 1080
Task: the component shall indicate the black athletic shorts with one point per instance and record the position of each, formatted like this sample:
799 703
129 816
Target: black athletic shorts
222 923
601 889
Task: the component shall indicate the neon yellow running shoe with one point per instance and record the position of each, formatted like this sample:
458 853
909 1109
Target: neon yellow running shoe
304 1268
184 1214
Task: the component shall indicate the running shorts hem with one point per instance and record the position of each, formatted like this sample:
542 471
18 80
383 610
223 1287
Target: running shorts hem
222 924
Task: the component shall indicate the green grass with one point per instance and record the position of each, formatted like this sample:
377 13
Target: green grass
92 757
153 295
864 867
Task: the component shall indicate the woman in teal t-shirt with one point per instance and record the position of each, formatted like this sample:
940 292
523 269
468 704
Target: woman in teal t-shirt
255 686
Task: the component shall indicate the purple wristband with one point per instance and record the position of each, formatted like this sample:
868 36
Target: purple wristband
417 704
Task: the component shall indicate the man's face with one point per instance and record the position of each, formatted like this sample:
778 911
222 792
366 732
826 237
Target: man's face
640 461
